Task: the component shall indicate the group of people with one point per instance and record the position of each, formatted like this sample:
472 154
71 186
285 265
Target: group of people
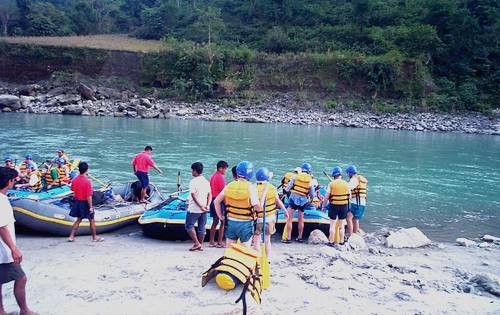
246 210
51 173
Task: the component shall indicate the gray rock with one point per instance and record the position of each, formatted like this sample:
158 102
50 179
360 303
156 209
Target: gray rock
491 238
119 114
56 91
356 242
86 112
254 119
68 99
6 109
25 101
485 245
486 283
465 242
12 101
403 296
317 237
182 112
73 110
146 103
28 90
407 238
135 102
86 92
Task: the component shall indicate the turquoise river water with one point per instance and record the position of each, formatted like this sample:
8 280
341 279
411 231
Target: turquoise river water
445 184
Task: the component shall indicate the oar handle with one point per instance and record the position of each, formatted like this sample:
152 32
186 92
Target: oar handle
328 176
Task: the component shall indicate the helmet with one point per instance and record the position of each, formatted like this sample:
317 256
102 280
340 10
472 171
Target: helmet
60 161
245 169
262 174
351 170
297 170
31 166
28 156
8 158
306 167
336 171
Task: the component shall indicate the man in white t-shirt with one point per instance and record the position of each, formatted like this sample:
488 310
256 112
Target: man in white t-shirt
199 200
10 256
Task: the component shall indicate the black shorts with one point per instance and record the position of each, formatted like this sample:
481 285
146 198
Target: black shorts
213 214
80 209
293 206
337 211
143 177
10 272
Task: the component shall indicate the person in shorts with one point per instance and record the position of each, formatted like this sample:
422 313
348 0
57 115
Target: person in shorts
337 198
82 207
141 164
359 186
199 199
217 184
10 256
269 203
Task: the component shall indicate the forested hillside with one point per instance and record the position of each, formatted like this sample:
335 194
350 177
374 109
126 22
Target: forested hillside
447 52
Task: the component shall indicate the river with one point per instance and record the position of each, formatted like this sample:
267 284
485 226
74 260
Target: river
443 183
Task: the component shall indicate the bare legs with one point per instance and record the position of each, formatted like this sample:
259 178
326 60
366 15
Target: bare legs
289 224
213 229
350 227
20 295
196 240
257 239
301 224
76 225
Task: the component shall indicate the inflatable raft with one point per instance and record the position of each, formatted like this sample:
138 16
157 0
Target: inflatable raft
167 221
56 192
51 214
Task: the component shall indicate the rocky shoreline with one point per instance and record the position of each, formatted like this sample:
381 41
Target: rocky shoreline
86 100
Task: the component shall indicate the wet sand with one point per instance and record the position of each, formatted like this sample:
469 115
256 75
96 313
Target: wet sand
131 274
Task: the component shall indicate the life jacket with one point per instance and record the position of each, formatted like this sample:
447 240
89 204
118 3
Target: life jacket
360 191
238 265
301 184
237 200
48 177
339 192
270 200
286 179
22 167
316 202
38 184
63 174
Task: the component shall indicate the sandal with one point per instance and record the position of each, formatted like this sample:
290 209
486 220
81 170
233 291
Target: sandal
195 248
286 241
71 240
99 239
213 245
299 240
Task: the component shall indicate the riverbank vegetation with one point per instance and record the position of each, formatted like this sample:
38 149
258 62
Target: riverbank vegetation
421 55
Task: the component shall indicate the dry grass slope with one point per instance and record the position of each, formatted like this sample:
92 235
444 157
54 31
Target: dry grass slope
108 42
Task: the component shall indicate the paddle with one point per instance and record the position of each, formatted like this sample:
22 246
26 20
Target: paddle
179 181
328 176
103 184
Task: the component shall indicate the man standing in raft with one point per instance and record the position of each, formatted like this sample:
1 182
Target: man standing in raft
82 207
301 193
141 164
10 256
358 186
242 201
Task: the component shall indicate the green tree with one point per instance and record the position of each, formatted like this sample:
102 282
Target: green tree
8 11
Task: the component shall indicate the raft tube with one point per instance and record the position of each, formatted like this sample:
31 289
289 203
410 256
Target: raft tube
166 222
51 215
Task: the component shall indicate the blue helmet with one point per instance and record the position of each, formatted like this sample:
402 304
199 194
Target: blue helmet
28 156
245 169
336 171
60 161
306 167
351 170
8 158
262 174
31 166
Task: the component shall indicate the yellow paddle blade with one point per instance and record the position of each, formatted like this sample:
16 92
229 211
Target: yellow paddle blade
285 232
266 272
337 232
74 165
238 241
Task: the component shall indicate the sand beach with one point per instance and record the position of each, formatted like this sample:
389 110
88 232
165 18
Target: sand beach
131 274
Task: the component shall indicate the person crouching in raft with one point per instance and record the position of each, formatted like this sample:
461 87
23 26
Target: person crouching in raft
301 193
272 201
337 197
358 186
242 201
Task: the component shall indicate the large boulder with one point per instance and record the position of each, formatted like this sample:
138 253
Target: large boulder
462 241
407 238
317 237
491 239
356 242
86 92
68 99
11 101
73 110
25 101
146 103
28 90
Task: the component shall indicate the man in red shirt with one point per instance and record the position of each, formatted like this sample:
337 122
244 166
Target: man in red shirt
217 184
82 207
141 164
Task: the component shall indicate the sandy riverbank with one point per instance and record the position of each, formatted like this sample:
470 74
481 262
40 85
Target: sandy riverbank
130 274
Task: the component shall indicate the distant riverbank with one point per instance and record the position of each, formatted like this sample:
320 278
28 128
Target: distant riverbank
88 100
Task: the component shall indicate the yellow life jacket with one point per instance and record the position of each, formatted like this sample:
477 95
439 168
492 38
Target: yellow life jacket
360 191
239 264
270 200
22 167
339 192
316 202
302 184
38 184
48 177
237 200
63 174
286 179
